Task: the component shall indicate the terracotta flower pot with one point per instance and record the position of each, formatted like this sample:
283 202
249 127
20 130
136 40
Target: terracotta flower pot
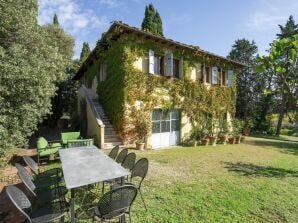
237 139
231 140
223 139
212 140
140 145
205 142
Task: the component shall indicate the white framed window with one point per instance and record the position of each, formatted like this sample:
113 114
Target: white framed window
230 77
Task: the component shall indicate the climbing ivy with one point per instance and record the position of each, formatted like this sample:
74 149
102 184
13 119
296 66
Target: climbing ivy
129 95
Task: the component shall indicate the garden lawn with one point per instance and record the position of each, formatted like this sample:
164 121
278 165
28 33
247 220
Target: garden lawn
256 181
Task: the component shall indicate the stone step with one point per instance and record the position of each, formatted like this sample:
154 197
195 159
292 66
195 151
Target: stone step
111 145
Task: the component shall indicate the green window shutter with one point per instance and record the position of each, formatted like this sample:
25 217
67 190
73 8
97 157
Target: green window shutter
214 75
181 68
230 77
151 61
169 64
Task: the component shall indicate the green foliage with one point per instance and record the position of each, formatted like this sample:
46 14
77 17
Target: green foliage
237 127
282 60
152 21
31 66
55 20
290 29
129 95
85 52
248 83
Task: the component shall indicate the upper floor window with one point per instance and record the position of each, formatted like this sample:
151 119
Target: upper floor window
165 65
230 77
207 75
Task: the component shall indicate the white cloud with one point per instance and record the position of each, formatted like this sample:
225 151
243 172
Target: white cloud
76 20
271 14
110 3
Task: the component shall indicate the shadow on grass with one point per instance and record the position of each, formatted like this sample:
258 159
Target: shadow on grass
286 147
249 169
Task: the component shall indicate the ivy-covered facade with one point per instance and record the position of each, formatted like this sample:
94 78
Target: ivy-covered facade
155 89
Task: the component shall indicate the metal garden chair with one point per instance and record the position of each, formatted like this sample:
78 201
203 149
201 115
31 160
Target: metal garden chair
41 182
55 172
121 156
116 203
129 161
140 171
50 213
114 152
43 196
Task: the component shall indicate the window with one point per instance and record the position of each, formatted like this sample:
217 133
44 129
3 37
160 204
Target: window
214 75
224 78
207 75
230 78
159 65
165 121
176 68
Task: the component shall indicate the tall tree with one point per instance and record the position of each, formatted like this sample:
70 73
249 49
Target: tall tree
289 29
29 67
55 20
152 21
85 52
245 51
283 61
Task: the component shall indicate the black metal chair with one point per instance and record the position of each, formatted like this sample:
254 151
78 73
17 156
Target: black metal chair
114 152
55 172
41 182
44 196
52 212
121 156
129 161
116 203
140 171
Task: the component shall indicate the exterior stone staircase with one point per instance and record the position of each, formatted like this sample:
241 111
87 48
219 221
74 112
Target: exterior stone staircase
111 138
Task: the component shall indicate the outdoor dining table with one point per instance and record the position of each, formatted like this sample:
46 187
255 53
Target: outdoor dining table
83 166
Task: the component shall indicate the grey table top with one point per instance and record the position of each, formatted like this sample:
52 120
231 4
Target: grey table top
87 165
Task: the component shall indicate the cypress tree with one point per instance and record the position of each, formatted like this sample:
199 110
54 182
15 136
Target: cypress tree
55 20
85 52
289 29
152 21
158 24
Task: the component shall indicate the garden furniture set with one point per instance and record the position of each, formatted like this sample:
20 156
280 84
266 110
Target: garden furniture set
46 197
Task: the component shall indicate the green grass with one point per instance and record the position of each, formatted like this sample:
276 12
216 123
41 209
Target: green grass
280 137
256 181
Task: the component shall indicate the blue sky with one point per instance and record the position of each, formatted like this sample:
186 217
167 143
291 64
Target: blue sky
213 25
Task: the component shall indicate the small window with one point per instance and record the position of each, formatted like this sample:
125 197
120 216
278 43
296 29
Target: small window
176 68
207 75
159 65
224 78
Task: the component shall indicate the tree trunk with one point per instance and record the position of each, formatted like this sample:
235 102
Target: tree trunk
280 118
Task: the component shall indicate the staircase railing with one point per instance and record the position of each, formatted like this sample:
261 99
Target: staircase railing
95 124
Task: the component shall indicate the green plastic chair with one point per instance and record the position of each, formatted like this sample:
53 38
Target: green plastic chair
66 136
80 143
46 149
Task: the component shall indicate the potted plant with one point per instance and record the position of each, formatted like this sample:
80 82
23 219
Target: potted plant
237 129
223 130
212 129
248 124
196 135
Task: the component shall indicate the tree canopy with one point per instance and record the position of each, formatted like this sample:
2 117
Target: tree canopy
85 52
289 29
33 61
152 21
